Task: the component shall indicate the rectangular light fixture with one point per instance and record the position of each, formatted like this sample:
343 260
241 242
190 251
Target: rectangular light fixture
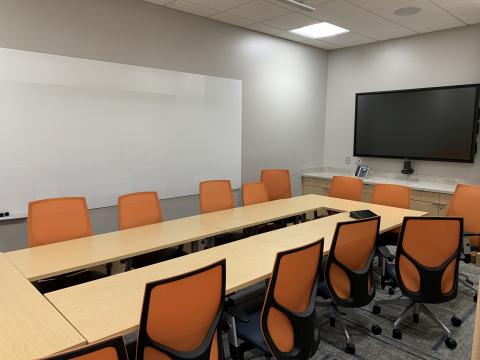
320 30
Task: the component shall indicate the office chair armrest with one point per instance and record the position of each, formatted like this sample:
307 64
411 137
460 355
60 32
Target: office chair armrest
386 253
237 312
467 234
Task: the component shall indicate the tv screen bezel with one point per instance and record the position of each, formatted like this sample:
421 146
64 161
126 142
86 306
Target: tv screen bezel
474 123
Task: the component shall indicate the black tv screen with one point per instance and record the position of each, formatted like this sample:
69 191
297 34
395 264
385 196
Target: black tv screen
428 124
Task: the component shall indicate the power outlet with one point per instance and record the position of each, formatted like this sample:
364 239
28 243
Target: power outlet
347 160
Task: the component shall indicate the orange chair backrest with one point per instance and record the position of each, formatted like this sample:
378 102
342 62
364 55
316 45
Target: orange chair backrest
138 209
215 195
293 286
182 314
432 242
465 203
57 219
353 247
277 182
254 193
391 195
346 187
112 349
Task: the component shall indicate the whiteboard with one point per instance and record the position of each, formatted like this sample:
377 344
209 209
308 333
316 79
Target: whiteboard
77 127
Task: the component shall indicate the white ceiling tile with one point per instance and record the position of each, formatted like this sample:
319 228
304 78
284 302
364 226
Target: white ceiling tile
231 19
159 2
258 10
469 14
372 4
220 5
291 21
373 26
315 2
349 39
333 10
452 4
267 29
430 18
192 8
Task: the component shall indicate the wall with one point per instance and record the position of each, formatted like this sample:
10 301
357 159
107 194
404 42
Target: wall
284 82
442 58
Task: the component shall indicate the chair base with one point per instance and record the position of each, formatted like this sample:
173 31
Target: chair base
337 317
465 281
416 308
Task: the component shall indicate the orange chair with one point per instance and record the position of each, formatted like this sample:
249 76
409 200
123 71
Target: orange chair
181 316
349 280
465 203
286 326
215 195
277 182
426 269
59 219
55 220
140 209
346 187
112 349
254 193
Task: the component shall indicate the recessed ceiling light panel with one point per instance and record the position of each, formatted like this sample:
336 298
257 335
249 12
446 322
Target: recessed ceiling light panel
320 30
407 11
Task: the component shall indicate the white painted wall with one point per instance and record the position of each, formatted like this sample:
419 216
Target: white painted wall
284 82
442 58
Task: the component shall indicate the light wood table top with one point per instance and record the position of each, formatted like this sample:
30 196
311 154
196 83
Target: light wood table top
476 335
112 305
246 216
308 232
53 259
30 327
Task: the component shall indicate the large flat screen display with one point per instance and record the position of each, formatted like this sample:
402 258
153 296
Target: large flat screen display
429 124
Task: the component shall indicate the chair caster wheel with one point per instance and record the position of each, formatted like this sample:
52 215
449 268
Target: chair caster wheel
456 321
416 318
332 322
475 297
376 309
451 343
391 291
376 330
397 334
350 348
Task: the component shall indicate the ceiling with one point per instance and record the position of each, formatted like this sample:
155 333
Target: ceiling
368 20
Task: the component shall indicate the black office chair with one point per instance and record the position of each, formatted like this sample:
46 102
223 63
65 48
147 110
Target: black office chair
426 269
349 280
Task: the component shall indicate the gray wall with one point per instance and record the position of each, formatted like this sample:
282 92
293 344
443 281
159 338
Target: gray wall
284 83
441 58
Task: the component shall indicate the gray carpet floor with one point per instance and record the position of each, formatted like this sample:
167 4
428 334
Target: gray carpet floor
419 341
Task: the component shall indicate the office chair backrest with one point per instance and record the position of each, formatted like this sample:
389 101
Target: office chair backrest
58 219
346 187
391 195
427 258
138 209
288 320
181 316
215 195
465 203
112 349
348 272
254 193
277 182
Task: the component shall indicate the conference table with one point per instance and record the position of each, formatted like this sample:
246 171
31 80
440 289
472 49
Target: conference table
110 306
476 335
30 327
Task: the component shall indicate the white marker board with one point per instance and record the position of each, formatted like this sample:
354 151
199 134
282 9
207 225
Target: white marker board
77 127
